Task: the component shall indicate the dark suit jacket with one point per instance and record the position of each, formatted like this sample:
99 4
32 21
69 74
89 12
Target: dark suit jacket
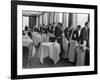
51 30
67 33
84 36
76 36
58 32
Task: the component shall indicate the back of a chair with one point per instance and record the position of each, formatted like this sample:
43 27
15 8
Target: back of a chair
30 46
65 42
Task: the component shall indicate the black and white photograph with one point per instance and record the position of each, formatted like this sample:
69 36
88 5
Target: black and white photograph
53 39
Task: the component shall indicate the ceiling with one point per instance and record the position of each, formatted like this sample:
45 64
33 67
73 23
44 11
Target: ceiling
31 13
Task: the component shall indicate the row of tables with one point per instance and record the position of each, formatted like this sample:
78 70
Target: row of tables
52 49
46 48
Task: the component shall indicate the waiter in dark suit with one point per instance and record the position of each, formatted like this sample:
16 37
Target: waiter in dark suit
51 30
76 37
68 32
58 35
84 37
85 34
58 31
76 34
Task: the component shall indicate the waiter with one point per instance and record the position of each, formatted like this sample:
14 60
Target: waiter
58 35
68 32
76 34
76 37
84 37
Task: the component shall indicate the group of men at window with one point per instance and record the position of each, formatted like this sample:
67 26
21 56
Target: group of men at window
79 34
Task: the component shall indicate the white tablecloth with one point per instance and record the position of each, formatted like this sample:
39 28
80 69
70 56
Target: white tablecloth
49 49
38 38
72 50
80 57
34 33
50 35
27 42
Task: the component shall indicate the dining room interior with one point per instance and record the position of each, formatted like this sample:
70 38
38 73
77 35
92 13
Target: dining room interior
55 39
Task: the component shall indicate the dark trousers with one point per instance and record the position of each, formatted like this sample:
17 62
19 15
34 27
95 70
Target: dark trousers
59 40
87 57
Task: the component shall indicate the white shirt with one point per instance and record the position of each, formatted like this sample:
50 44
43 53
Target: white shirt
79 32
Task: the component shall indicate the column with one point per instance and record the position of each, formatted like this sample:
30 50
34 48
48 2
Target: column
48 17
37 21
40 19
65 20
56 17
74 20
45 18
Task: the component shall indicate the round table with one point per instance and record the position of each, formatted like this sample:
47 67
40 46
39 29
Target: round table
49 49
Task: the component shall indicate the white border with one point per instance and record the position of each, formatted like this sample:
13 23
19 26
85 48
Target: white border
21 71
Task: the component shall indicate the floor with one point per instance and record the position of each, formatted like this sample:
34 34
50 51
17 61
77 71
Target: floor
35 61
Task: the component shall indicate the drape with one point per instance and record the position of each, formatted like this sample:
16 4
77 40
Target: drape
70 19
40 19
45 18
65 20
74 20
32 21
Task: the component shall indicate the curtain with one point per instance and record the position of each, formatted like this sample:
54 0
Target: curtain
65 20
48 17
74 20
51 17
70 19
56 17
45 18
37 21
40 19
32 21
